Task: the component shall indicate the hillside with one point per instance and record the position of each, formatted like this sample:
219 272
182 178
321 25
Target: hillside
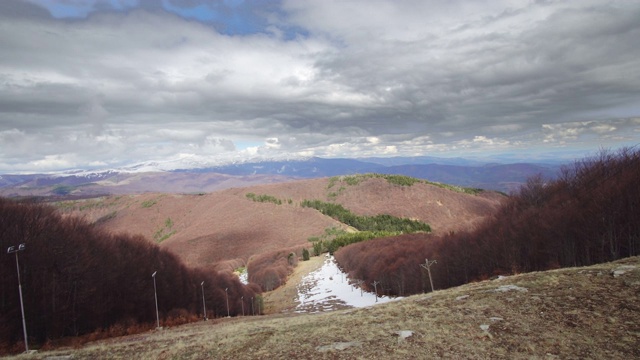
587 216
225 225
190 178
572 313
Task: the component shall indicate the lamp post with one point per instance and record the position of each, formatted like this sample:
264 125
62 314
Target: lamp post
427 265
14 250
375 285
204 305
226 294
155 294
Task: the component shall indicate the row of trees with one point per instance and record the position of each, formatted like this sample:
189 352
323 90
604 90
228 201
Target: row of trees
344 239
588 215
367 223
270 270
77 279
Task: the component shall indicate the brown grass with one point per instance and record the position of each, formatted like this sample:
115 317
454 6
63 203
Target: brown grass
284 298
207 228
572 313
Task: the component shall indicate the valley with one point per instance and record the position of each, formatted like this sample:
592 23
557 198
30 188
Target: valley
523 276
207 229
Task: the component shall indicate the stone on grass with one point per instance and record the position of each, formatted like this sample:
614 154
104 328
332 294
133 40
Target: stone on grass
338 346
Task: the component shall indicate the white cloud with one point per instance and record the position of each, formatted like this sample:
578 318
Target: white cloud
326 78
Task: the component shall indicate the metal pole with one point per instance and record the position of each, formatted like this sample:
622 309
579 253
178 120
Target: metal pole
226 293
427 265
252 310
375 285
155 294
12 249
242 302
204 305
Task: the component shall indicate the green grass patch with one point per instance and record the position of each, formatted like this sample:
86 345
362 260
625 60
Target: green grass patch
400 180
149 203
266 199
164 232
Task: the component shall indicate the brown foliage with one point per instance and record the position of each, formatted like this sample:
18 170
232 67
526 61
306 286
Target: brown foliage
270 270
588 215
77 279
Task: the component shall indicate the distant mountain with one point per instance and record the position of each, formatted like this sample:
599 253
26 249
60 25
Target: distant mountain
309 168
422 160
180 177
499 177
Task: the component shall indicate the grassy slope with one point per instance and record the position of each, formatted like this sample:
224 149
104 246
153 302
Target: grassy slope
569 313
224 225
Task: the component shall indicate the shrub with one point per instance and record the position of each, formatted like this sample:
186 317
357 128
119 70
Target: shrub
265 198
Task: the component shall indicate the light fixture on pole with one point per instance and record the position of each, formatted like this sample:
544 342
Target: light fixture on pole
204 306
155 294
14 250
226 293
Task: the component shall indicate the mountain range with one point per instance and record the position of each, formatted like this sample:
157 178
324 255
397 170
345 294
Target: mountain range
197 178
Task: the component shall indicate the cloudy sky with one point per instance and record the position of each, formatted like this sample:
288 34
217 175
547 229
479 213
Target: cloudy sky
106 83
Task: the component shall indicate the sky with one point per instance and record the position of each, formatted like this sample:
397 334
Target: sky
92 84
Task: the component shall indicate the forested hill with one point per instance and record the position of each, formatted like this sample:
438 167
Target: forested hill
588 215
237 223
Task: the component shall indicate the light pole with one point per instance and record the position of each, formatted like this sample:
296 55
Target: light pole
427 265
242 302
375 285
155 294
14 250
226 294
204 305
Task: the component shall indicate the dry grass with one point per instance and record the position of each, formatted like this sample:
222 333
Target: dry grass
284 298
565 314
205 229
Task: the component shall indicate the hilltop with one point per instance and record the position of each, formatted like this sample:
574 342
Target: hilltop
231 225
203 177
588 312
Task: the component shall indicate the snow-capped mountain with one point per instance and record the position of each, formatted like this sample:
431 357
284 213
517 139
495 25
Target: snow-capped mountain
199 174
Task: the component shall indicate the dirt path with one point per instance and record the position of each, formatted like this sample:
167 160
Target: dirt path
283 299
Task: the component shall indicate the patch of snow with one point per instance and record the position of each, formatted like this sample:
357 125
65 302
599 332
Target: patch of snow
484 327
328 288
496 318
244 277
462 297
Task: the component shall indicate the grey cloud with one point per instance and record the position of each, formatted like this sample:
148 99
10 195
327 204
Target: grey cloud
405 77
